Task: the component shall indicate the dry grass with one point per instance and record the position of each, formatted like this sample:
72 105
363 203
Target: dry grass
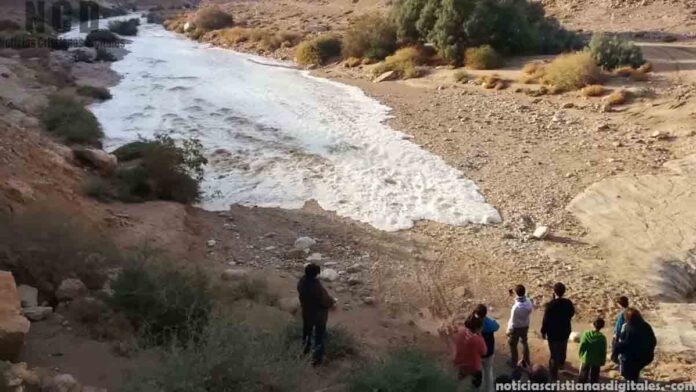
460 76
618 97
572 71
212 18
482 57
624 71
645 68
532 72
352 62
493 81
319 50
593 90
406 62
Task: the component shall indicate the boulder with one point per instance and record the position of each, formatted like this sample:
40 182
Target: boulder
304 243
290 304
21 378
314 257
61 383
233 274
328 274
37 313
84 54
541 232
13 326
387 76
28 295
100 160
87 309
70 289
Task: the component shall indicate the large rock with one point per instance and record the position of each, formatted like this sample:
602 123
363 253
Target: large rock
70 289
21 378
61 383
304 243
13 326
28 295
37 313
100 160
329 274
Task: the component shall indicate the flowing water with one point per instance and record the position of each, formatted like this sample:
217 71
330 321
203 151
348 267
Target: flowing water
277 137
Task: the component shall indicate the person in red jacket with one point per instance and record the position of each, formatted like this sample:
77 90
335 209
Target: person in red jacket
467 347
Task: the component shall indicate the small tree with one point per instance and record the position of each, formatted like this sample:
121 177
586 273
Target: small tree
212 18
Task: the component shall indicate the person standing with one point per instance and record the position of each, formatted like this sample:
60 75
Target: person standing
468 347
556 328
593 352
622 303
518 325
315 302
490 327
636 345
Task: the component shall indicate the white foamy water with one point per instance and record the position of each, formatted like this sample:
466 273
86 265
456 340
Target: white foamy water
277 137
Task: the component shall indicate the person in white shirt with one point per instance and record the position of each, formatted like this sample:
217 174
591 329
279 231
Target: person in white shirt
518 325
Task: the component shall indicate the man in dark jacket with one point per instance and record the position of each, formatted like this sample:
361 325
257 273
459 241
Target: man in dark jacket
636 345
315 302
555 328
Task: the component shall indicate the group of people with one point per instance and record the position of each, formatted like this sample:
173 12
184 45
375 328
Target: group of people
473 344
472 338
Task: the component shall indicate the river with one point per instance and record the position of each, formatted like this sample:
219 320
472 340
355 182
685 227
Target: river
277 137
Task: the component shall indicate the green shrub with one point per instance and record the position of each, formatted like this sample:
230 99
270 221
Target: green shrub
572 71
226 357
318 50
371 36
212 18
46 244
166 171
482 57
406 63
67 118
163 301
403 372
101 37
612 52
510 27
338 342
125 27
94 92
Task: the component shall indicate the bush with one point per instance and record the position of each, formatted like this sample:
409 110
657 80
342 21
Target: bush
253 290
371 36
460 76
94 92
163 301
212 18
338 342
125 27
46 244
225 357
68 119
406 63
166 171
510 27
265 39
403 372
572 71
97 188
593 90
482 57
318 50
101 37
618 97
103 54
612 52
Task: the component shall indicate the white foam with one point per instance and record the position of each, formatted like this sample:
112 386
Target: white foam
277 137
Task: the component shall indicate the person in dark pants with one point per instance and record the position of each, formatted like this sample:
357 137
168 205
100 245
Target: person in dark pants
636 346
622 303
315 302
555 328
518 326
593 353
